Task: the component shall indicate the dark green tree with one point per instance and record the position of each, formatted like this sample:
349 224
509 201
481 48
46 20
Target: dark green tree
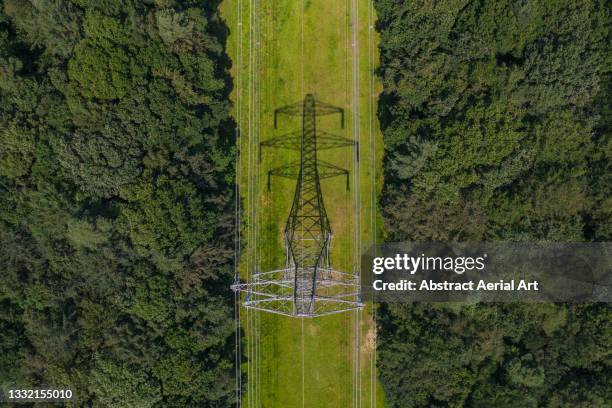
116 169
496 122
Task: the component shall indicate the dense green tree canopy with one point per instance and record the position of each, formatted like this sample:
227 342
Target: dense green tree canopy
115 201
497 107
496 121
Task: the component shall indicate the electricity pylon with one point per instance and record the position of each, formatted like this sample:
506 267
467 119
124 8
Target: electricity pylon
307 285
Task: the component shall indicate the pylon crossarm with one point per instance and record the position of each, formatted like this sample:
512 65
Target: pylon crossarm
292 141
270 295
277 271
322 109
336 303
325 298
330 141
280 282
328 170
324 305
339 296
272 306
295 109
291 170
338 273
322 106
330 282
285 300
322 311
245 287
269 286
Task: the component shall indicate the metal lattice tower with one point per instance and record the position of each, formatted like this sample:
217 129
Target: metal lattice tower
307 285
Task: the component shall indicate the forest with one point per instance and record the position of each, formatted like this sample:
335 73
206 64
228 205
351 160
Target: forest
496 122
116 201
117 176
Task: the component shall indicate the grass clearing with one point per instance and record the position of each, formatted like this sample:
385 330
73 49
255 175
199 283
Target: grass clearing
304 47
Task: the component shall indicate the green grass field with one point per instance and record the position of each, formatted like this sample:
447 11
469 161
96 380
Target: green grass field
305 47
